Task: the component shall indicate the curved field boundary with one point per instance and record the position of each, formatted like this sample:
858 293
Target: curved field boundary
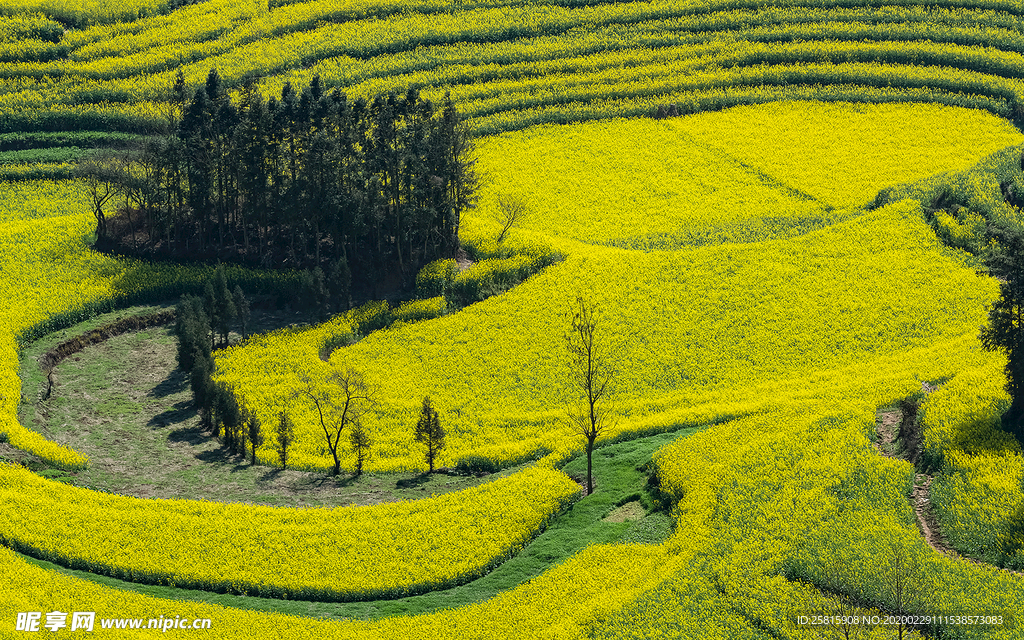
73 345
340 554
968 49
620 471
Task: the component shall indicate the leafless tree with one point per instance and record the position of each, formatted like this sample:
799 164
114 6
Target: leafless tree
906 588
101 176
841 612
512 210
340 401
591 374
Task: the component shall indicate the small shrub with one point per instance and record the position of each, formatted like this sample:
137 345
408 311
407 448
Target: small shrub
361 444
336 341
371 316
416 310
495 275
435 278
473 464
963 229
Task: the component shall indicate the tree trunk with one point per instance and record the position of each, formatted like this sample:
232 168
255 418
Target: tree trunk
590 464
131 225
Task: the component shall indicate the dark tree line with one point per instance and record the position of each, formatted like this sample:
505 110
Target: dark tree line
309 179
199 321
1005 330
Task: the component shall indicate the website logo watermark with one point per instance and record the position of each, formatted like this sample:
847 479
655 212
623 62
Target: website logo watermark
34 621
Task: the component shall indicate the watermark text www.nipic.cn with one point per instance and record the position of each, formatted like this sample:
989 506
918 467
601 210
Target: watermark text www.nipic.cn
86 621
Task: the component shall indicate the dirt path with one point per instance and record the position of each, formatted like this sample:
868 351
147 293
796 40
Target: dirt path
888 425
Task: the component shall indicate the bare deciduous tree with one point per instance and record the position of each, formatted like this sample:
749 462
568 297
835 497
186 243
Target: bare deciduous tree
511 210
906 587
591 374
340 402
839 610
100 175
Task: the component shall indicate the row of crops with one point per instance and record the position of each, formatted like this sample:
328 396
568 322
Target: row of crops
689 328
286 553
509 66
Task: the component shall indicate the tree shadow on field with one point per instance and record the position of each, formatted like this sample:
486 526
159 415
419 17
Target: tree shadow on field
182 412
1012 544
307 481
175 382
222 455
412 483
194 435
270 476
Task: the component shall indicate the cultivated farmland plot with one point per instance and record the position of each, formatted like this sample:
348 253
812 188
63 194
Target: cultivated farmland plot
786 215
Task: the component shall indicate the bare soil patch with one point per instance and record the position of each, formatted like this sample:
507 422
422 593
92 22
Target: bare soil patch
462 260
628 512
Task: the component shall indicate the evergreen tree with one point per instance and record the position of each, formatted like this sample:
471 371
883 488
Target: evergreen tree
320 296
361 444
193 329
430 432
379 186
285 432
313 291
179 93
251 431
203 392
244 313
210 306
224 310
1005 331
228 417
252 146
339 285
459 174
196 133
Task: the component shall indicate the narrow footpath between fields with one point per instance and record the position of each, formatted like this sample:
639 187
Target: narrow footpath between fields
900 443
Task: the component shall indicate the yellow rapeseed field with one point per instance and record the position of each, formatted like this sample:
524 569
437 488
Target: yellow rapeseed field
345 553
739 279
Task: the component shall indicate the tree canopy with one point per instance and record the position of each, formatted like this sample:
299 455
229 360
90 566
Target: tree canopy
309 179
1005 331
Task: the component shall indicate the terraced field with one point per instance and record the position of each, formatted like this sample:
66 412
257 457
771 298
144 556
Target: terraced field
771 264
